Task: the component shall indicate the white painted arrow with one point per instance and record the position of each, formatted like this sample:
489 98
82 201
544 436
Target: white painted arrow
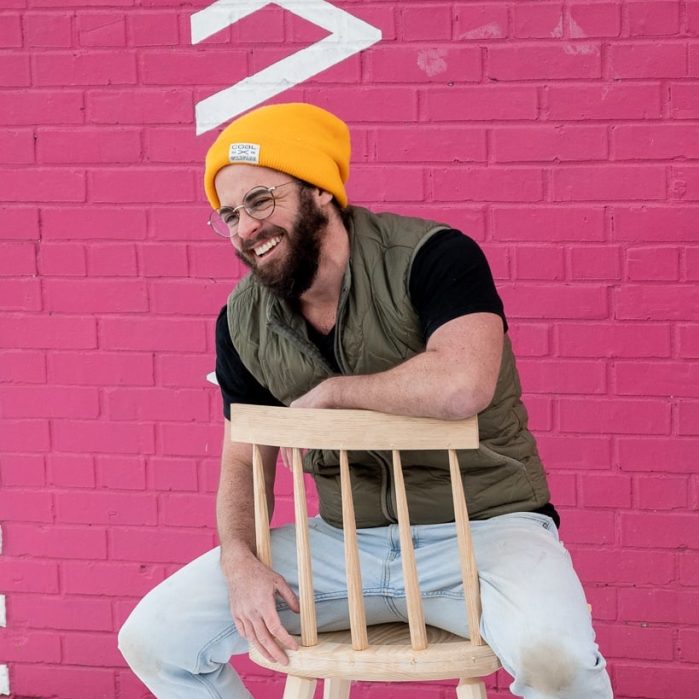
348 35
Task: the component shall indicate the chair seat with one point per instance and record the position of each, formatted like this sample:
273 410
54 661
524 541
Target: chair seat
388 657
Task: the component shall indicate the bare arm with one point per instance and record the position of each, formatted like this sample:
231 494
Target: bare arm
453 378
252 586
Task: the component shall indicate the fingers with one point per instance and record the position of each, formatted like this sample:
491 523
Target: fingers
286 456
287 594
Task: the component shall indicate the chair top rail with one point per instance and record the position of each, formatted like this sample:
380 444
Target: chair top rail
347 429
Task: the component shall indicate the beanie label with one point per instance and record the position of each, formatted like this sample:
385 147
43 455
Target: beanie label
244 153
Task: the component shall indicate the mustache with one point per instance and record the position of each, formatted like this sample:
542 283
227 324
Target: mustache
271 232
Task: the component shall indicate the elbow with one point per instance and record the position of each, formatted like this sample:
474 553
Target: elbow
466 402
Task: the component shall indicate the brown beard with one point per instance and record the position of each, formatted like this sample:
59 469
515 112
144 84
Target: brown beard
293 276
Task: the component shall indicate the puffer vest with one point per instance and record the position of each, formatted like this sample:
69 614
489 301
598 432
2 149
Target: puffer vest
376 329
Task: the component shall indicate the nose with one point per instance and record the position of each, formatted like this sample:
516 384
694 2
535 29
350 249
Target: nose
247 227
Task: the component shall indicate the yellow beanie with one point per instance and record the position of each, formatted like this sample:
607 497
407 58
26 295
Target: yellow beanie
301 140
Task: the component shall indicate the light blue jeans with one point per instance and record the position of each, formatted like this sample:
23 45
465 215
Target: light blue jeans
180 637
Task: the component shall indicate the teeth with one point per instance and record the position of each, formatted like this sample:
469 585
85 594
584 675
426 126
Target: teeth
266 247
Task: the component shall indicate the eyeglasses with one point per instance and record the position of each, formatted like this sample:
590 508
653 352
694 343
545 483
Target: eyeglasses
258 203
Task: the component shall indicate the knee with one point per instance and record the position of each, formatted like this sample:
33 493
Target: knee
137 644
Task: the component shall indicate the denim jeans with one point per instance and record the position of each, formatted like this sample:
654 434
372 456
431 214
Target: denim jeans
180 637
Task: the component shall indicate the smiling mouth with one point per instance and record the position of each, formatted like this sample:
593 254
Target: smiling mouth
262 249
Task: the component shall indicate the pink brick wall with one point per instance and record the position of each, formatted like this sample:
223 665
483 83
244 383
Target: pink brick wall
561 135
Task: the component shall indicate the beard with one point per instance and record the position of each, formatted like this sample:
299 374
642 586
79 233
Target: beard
289 278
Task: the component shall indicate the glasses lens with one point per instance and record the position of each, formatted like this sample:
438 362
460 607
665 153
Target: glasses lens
225 225
259 203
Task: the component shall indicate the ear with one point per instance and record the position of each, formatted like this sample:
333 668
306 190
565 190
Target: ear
323 197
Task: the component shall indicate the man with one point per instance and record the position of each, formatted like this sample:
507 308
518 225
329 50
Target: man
349 309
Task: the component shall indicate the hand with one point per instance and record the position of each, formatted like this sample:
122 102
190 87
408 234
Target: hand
252 588
321 396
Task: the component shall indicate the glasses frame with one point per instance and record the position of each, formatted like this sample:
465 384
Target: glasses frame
233 232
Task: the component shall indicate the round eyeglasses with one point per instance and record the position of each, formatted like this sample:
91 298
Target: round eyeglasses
258 203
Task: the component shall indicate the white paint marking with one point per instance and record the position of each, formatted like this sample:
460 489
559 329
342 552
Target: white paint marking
3 612
431 61
575 30
348 35
486 31
211 378
557 31
4 680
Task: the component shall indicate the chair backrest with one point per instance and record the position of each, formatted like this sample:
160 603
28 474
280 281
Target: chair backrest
359 430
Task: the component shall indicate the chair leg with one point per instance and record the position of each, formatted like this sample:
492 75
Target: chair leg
471 689
336 688
299 687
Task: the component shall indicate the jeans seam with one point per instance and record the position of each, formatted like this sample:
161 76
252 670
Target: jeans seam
227 632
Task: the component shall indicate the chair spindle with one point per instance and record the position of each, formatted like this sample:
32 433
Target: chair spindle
262 536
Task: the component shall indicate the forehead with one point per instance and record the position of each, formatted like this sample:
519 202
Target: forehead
233 182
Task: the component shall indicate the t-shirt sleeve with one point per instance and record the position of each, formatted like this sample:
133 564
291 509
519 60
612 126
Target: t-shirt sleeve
450 277
237 384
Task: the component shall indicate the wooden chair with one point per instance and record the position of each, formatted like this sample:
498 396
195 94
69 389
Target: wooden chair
389 652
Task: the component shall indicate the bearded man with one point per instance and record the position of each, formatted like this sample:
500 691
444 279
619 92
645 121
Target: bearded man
345 308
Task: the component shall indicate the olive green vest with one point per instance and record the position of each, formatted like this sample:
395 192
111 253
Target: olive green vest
376 329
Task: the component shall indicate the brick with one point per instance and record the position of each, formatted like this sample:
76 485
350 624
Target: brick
488 184
646 302
48 401
140 106
112 260
636 641
618 416
180 510
191 297
49 541
688 568
189 439
603 490
44 612
96 436
500 260
47 29
182 223
42 184
29 107
688 341
375 103
153 29
158 260
215 260
657 379
539 262
655 18
647 60
20 646
52 332
594 19
95 295
540 411
19 222
158 404
91 649
141 186
65 681
62 260
684 183
554 376
608 101
684 100
530 340
425 22
691 264
549 143
688 418
661 142
538 20
10 31
23 470
587 526
661 530
24 435
105 508
90 578
656 681
440 144
653 264
661 493
17 259
101 368
69 223
563 489
554 301
622 566
475 21
17 145
377 184
548 223
620 340
173 474
174 145
101 29
688 643
595 262
184 370
158 545
84 68
418 64
193 67
164 334
14 68
26 505
71 470
655 223
21 367
20 294
608 183
657 455
121 472
28 575
544 62
483 103
88 146
603 601
692 11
